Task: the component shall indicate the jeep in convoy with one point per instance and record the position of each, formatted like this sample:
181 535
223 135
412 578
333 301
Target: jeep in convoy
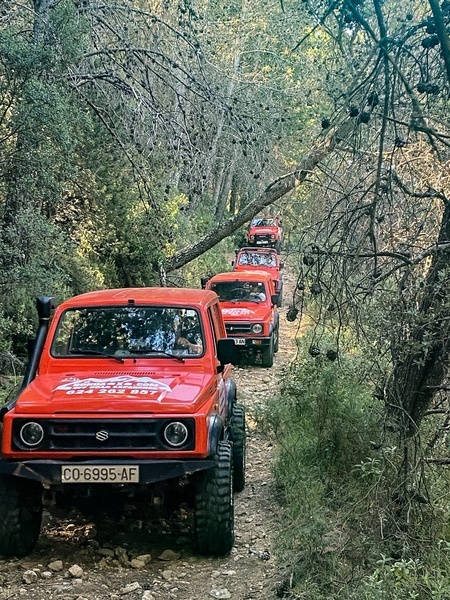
123 389
249 308
262 259
265 232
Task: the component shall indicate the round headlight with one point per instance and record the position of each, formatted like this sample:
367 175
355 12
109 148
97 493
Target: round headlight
272 237
176 434
257 328
252 237
32 434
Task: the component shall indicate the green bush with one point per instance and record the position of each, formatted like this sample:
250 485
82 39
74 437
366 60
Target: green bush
324 421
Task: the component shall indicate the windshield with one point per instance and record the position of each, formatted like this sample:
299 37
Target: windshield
257 259
235 291
127 329
263 223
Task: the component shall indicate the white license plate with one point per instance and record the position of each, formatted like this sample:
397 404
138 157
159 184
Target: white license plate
239 341
99 474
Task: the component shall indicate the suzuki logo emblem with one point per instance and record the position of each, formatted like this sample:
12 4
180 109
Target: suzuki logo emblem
102 435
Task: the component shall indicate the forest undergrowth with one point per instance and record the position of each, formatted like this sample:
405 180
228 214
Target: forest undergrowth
342 534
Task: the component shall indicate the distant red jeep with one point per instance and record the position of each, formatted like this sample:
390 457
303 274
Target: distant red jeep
265 231
249 308
125 388
261 259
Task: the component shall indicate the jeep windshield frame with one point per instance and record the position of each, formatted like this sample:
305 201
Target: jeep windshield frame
128 331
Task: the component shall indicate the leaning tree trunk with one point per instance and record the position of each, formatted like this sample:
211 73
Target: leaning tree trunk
273 192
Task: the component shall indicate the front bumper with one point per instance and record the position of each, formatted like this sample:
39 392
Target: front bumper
48 472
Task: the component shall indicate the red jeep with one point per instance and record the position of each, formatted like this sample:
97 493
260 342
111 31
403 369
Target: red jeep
262 259
265 231
249 308
125 388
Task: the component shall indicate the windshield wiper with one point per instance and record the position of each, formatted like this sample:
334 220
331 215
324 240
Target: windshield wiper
149 351
115 355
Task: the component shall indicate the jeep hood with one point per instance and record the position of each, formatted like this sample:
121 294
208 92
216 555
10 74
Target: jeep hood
263 231
254 312
112 392
274 271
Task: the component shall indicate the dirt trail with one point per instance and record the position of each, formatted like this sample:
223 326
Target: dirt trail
144 551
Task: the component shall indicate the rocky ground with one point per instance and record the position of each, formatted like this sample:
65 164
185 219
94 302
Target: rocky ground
141 550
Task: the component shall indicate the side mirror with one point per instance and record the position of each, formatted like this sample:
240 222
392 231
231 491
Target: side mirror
274 299
226 352
204 280
232 263
281 265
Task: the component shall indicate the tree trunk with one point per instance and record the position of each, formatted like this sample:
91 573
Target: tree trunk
23 170
224 191
425 366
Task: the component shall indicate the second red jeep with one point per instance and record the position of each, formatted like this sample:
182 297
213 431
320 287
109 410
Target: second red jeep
249 308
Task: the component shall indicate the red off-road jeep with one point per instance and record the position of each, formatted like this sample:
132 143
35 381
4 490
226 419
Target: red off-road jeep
125 388
249 308
265 231
261 259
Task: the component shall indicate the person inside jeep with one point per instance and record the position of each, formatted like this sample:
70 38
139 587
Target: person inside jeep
256 292
245 259
191 337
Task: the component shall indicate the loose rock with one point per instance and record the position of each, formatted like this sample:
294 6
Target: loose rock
30 577
131 587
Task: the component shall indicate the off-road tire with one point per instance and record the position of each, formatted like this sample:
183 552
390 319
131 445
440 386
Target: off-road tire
276 344
267 354
238 438
214 506
20 515
280 298
277 246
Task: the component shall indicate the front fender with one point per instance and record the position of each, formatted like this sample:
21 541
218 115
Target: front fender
215 432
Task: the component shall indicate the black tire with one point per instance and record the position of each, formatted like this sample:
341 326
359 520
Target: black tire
268 354
277 246
276 344
214 507
280 298
20 515
238 438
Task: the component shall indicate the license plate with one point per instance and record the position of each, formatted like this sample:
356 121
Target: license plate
99 474
239 341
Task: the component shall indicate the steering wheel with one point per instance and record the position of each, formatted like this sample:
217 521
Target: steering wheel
238 293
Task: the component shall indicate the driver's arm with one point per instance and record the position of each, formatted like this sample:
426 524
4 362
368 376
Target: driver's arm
196 348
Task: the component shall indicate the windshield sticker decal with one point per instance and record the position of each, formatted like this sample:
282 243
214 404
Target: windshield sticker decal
123 384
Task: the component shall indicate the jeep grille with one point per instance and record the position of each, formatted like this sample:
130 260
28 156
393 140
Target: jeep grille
103 435
234 329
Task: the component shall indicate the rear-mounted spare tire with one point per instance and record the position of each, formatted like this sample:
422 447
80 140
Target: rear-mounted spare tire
20 515
214 506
